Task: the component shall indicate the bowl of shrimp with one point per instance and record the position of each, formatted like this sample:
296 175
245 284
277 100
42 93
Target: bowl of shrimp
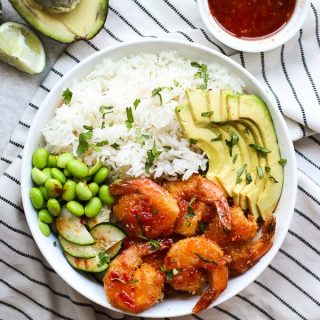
179 244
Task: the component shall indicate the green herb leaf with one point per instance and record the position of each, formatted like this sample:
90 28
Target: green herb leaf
156 92
115 146
190 213
218 138
89 128
260 149
102 143
202 226
201 73
193 141
234 159
152 155
130 119
105 109
176 83
240 172
268 169
273 179
282 162
260 172
83 141
188 223
248 178
132 281
154 244
246 130
136 103
104 259
67 96
195 65
204 259
207 114
232 142
171 273
167 148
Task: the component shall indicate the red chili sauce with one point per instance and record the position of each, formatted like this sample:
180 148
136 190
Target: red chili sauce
252 18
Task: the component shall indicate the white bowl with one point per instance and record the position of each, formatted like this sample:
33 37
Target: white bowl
83 283
256 45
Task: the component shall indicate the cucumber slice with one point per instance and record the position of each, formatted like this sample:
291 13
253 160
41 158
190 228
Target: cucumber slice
106 235
114 250
87 265
103 216
77 251
70 228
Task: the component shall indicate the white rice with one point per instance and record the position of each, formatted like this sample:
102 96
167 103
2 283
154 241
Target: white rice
118 84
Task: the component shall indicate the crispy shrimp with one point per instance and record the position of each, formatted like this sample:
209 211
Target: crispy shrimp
191 262
145 208
242 228
134 285
245 255
195 198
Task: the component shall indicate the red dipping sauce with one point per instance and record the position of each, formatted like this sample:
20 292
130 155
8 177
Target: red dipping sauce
252 18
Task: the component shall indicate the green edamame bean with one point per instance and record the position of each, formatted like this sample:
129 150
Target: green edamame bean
69 190
63 159
45 216
40 158
44 228
54 188
38 176
59 175
47 172
67 173
44 192
105 196
77 168
36 198
83 192
54 207
94 188
101 175
75 208
95 168
52 161
93 207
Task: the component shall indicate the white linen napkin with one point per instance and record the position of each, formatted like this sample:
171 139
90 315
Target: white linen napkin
290 287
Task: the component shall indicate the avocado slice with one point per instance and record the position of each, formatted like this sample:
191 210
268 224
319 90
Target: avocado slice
82 23
58 6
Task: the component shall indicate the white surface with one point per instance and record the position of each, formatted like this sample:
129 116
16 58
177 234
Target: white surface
256 45
16 87
174 306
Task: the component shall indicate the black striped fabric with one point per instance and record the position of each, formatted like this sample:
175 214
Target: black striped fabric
290 287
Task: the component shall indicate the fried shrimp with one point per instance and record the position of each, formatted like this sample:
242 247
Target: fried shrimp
145 208
132 284
195 197
191 262
242 228
245 255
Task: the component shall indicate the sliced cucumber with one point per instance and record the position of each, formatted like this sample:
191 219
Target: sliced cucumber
114 250
70 228
103 216
76 250
87 265
106 235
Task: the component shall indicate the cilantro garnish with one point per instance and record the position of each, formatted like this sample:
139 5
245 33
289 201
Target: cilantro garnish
136 103
260 172
207 114
204 259
193 141
83 140
132 281
130 119
152 155
154 244
240 172
268 169
156 92
248 178
246 130
218 138
274 179
234 139
282 162
102 143
171 273
115 146
234 159
104 259
202 226
202 73
67 96
260 149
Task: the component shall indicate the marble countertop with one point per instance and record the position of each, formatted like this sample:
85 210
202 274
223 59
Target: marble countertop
16 87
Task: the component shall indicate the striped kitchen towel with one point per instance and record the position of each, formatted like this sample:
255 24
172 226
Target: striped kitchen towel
290 287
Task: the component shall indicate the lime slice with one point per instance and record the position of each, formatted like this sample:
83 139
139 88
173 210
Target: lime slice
21 48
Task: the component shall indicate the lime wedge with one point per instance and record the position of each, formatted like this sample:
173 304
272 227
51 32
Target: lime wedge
21 48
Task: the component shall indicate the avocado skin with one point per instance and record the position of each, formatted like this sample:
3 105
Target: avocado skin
58 6
249 118
82 23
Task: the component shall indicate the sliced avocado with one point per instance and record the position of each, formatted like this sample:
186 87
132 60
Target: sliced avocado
224 105
83 23
58 6
232 105
214 104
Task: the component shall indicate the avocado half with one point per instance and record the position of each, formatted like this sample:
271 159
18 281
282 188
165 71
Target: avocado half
82 23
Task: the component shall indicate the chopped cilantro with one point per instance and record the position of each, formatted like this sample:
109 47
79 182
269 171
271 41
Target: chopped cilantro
152 155
154 244
260 149
201 73
102 143
202 226
132 281
188 223
246 130
67 96
130 119
156 92
136 103
268 169
260 172
248 178
274 179
207 114
190 213
282 162
83 140
240 172
218 138
171 273
115 146
234 139
193 141
167 148
234 159
104 259
204 259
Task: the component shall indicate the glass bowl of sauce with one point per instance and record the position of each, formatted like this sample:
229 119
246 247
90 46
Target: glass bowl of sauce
253 25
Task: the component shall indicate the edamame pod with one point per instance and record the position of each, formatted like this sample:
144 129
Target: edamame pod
105 196
47 172
59 175
40 158
94 188
45 216
75 208
54 207
93 207
44 192
38 176
36 198
77 168
101 175
54 188
44 228
52 161
69 190
83 192
63 159
95 168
